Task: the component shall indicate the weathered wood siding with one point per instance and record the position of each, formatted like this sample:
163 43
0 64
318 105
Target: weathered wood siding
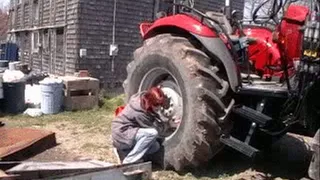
217 5
238 5
19 17
25 47
46 50
56 22
128 36
27 15
95 35
96 23
45 14
72 42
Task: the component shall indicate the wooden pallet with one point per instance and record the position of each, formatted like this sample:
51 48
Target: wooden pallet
80 93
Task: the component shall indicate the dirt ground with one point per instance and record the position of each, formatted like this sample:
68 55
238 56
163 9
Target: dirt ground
86 135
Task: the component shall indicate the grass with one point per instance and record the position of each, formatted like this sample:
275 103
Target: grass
89 132
110 104
90 119
92 122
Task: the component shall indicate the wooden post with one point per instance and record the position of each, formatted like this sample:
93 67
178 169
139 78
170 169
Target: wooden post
22 35
31 12
15 14
50 19
51 49
40 39
65 51
22 14
41 6
55 50
54 13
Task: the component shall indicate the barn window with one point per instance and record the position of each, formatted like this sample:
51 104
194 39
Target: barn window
13 19
59 40
36 10
17 38
35 42
46 41
26 40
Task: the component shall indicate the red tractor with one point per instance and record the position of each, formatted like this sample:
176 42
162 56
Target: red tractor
228 82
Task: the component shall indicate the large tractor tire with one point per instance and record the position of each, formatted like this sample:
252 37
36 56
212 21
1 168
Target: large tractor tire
199 93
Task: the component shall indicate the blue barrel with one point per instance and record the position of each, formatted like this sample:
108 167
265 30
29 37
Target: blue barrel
14 97
52 94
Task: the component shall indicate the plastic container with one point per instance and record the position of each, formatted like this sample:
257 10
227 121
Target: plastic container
14 97
51 96
14 66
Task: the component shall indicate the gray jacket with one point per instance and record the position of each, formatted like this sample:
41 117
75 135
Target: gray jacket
126 124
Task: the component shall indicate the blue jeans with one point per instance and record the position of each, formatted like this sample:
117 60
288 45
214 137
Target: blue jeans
145 144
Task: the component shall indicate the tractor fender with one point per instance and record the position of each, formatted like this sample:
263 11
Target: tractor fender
217 47
208 37
180 21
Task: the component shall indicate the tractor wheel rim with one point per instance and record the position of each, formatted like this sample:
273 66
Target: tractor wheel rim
174 110
168 83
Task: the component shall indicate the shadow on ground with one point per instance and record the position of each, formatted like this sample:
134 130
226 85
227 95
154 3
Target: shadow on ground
289 158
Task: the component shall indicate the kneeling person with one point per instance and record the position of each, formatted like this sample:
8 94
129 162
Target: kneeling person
133 131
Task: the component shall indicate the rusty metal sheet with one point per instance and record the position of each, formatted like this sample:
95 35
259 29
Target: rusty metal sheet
22 143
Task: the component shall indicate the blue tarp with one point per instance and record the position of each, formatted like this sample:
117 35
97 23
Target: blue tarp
9 51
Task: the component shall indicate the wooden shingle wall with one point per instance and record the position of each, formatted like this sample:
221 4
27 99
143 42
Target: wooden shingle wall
216 5
72 36
47 33
96 36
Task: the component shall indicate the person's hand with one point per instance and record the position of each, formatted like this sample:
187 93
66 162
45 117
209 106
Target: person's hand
175 121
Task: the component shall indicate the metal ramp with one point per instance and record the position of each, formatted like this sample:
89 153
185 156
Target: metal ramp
82 170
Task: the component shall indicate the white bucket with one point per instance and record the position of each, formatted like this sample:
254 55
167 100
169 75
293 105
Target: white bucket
14 66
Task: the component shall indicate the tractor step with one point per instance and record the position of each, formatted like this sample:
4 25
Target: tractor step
264 89
239 146
255 116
